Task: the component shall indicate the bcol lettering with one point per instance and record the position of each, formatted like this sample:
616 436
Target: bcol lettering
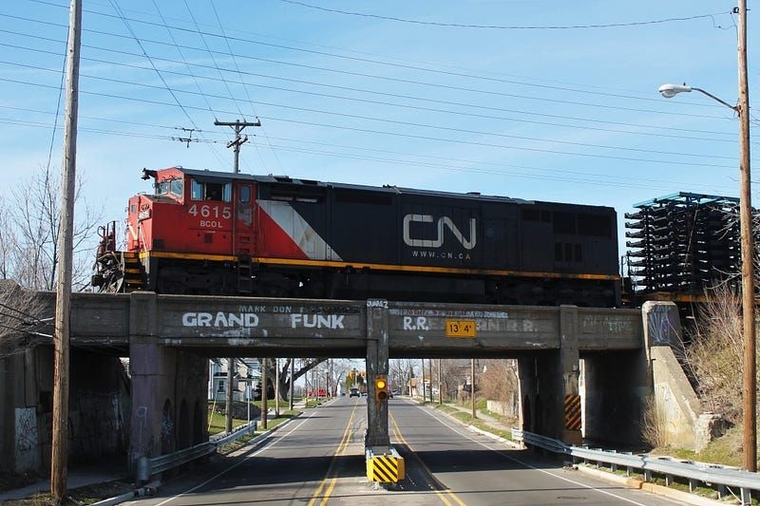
443 221
220 319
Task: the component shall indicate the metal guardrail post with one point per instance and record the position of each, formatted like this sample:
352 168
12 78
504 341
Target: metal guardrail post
713 475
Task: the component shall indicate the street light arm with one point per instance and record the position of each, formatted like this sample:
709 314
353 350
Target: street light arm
734 107
671 90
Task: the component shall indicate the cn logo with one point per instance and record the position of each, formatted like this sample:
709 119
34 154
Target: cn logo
443 221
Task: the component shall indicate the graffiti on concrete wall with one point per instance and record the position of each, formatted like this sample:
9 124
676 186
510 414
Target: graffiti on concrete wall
167 429
27 454
664 325
96 425
612 324
254 320
141 443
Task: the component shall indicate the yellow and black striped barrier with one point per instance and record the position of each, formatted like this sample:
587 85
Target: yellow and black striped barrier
573 412
387 467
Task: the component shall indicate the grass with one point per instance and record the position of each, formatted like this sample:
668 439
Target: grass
726 450
465 416
218 423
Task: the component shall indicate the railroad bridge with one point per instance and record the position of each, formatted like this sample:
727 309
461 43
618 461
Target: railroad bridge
169 337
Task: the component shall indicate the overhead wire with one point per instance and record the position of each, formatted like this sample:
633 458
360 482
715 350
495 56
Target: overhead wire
421 99
440 127
245 88
508 27
402 81
420 125
117 9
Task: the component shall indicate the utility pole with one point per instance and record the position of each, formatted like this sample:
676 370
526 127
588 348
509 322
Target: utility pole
228 403
59 449
472 387
430 371
277 388
440 386
749 442
239 140
423 381
264 393
292 381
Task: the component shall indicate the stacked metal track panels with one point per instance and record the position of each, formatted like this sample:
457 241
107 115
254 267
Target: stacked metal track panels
683 243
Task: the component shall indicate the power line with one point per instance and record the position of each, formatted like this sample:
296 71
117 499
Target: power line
440 127
508 27
409 97
364 60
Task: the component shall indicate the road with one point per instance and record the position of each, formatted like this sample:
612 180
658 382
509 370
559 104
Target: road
319 459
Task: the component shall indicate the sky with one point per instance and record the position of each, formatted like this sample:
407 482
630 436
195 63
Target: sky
531 99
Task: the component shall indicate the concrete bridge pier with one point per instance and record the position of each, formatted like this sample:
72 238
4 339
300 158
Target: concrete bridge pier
169 389
549 386
377 364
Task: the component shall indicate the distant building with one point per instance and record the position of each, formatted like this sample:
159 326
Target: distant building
246 371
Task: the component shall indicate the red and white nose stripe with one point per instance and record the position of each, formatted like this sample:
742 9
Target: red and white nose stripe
294 226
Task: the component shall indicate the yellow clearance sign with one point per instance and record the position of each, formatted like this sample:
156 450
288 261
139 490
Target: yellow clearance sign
461 328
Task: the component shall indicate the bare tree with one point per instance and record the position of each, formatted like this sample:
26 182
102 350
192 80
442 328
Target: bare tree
35 223
716 352
401 372
304 367
8 242
498 382
22 314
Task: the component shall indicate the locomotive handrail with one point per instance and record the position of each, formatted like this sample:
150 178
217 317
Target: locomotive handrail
712 475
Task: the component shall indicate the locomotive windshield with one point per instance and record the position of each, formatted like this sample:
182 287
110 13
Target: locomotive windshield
170 187
221 192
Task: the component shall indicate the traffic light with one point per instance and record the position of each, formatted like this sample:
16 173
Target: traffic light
381 388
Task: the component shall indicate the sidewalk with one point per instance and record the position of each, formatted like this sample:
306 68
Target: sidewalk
78 476
94 475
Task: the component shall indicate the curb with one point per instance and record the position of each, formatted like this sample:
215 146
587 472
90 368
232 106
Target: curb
149 489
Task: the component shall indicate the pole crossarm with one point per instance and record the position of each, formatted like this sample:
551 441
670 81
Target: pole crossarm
239 140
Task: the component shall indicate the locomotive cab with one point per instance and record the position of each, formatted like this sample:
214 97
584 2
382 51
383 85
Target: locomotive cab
185 213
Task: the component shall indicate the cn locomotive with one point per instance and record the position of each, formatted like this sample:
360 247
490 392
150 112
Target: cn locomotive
203 232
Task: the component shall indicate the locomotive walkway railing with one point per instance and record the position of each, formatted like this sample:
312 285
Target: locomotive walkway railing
714 476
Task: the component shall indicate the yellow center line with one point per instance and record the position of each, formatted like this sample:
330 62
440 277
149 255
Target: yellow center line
332 473
445 491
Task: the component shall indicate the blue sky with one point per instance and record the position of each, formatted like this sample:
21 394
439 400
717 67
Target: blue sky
536 106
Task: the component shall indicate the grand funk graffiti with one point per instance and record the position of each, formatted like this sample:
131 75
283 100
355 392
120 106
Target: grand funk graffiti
269 320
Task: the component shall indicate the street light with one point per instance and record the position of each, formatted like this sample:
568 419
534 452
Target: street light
671 90
747 253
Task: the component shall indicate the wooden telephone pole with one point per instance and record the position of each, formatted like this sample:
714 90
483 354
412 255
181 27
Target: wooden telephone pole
749 442
239 140
59 450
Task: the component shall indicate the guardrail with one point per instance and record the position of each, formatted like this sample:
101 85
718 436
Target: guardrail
712 475
149 467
